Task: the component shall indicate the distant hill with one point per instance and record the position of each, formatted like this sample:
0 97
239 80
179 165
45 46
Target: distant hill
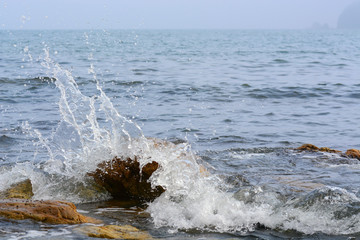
350 17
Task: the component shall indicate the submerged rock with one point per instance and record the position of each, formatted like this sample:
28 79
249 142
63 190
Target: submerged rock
298 185
353 153
114 232
124 180
22 190
53 212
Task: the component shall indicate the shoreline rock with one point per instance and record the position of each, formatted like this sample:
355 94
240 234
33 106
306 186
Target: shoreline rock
351 153
52 212
308 147
114 232
124 180
20 190
313 148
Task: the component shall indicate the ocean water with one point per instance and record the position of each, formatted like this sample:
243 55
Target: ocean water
236 102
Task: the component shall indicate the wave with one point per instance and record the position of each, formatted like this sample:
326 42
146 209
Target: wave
6 140
279 94
21 81
91 130
297 92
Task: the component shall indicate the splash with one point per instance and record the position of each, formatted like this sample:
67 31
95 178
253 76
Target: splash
91 130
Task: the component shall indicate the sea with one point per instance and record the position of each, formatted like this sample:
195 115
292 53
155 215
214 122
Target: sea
234 102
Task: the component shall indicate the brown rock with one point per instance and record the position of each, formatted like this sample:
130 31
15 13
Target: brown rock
53 212
329 150
313 148
114 232
353 153
123 179
21 190
308 147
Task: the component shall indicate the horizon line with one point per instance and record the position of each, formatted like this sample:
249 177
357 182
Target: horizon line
172 29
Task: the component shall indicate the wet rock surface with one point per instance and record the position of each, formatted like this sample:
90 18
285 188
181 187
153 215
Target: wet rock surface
123 179
22 190
52 212
308 147
329 150
313 148
351 153
114 232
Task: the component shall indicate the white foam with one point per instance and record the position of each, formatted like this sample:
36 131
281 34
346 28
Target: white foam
43 234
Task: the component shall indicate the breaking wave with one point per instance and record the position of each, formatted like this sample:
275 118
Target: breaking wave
91 130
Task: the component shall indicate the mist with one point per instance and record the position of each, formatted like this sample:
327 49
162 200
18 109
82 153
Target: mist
176 14
350 17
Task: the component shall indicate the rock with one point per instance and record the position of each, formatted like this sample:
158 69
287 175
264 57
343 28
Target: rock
21 190
329 150
123 179
353 153
313 148
114 232
308 147
53 212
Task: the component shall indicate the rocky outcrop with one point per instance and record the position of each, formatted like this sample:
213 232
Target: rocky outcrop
329 150
308 147
313 148
53 212
114 232
351 153
22 190
123 179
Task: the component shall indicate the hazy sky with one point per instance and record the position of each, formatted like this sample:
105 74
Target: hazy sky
169 14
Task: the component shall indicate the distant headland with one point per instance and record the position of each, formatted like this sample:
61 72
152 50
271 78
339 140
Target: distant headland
350 17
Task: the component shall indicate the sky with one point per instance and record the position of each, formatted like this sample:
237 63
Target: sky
169 14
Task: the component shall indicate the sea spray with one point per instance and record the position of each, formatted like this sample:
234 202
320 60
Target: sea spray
91 130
